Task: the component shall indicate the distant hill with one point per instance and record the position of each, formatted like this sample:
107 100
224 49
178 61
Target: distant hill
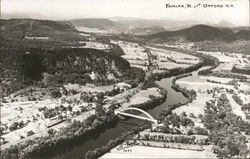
224 23
170 25
117 27
243 34
198 33
100 23
147 30
14 28
18 29
47 25
237 29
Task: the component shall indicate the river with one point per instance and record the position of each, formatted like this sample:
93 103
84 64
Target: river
79 148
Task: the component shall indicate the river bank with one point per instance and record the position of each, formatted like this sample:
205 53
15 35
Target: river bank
99 123
189 94
94 124
175 99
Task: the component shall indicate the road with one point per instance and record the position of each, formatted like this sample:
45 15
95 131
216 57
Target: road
29 29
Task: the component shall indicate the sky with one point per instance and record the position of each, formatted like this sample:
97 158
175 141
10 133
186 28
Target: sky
144 9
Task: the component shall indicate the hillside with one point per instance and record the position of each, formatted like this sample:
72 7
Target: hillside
14 28
242 28
39 67
170 25
194 34
146 30
26 29
206 38
243 34
102 25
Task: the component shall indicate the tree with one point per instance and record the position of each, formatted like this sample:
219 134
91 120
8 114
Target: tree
201 131
99 110
21 124
1 130
13 126
90 155
51 132
56 94
190 132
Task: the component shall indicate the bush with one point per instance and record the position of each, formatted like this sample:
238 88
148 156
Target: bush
13 126
56 94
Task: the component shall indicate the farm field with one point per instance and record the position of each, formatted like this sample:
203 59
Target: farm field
124 79
152 152
91 30
143 96
229 60
167 59
134 54
203 86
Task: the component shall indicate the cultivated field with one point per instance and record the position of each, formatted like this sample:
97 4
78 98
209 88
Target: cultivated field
134 54
153 152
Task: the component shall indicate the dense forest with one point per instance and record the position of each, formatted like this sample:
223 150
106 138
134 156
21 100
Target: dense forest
53 67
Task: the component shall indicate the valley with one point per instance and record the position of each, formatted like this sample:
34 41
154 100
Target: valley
63 81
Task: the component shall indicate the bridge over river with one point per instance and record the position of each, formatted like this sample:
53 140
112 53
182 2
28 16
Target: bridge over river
124 113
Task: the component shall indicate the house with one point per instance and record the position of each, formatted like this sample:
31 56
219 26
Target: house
40 115
90 85
93 105
76 109
65 105
2 141
29 133
92 38
123 86
52 106
216 95
222 90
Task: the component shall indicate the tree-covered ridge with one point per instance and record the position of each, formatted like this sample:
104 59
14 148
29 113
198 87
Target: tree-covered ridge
199 33
18 29
43 67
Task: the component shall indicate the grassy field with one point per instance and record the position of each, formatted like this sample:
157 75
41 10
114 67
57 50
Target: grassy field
152 152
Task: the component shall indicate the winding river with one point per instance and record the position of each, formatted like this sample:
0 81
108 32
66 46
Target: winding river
79 148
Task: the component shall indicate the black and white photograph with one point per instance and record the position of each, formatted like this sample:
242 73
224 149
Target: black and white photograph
124 79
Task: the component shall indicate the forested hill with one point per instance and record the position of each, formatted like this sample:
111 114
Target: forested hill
21 68
23 29
199 33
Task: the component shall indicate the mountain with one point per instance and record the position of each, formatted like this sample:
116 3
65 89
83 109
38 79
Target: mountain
195 34
224 23
169 25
